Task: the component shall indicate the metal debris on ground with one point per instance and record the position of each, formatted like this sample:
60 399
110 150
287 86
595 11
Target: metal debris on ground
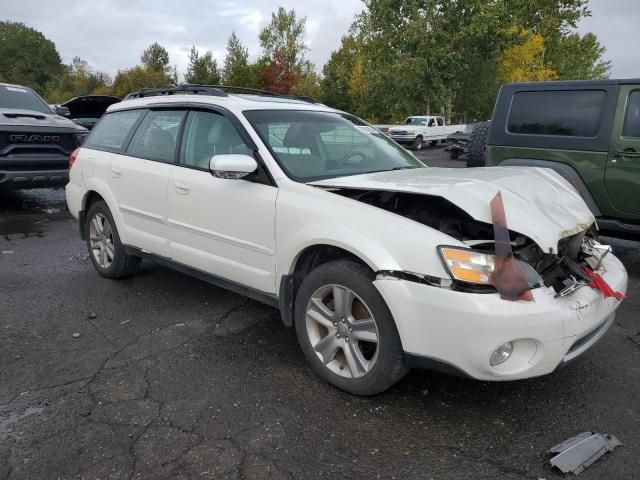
76 335
92 315
577 453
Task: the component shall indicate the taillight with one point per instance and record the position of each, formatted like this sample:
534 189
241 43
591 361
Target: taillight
73 156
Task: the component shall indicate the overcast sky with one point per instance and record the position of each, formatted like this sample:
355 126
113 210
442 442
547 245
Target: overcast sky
112 34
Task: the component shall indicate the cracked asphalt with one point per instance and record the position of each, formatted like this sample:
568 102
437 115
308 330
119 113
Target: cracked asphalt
162 376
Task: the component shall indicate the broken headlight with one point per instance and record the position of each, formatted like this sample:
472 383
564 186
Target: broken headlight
472 266
467 265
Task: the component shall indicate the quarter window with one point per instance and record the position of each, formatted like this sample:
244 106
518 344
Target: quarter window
113 129
632 117
157 135
561 113
208 134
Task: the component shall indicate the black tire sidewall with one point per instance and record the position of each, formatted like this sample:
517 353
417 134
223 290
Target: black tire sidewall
390 365
477 154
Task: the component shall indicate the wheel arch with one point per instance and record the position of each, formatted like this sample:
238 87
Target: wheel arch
95 191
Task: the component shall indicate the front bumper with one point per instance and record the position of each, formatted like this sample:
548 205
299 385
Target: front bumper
403 139
17 179
461 330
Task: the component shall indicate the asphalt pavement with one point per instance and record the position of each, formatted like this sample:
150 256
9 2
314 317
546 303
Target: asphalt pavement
162 376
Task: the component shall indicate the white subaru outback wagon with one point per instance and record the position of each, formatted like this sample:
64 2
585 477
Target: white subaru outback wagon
380 263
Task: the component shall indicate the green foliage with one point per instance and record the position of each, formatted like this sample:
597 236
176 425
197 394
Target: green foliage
156 58
137 78
578 57
284 37
79 78
27 57
202 70
236 70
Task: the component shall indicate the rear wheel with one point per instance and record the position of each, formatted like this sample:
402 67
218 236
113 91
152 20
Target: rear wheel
433 143
346 330
454 154
103 242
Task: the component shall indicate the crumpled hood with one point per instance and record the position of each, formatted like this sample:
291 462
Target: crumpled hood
538 202
20 117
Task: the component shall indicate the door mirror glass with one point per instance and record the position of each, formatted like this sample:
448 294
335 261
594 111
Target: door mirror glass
232 166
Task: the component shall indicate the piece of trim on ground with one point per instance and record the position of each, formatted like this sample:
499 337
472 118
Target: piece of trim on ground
577 453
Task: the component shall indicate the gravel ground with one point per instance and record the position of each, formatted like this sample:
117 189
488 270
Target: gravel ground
165 377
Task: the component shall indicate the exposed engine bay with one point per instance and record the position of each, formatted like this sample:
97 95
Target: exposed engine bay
562 271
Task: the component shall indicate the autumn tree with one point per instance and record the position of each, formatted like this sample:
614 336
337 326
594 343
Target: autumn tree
27 57
524 61
202 70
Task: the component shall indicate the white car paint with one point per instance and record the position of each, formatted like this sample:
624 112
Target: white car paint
252 234
430 128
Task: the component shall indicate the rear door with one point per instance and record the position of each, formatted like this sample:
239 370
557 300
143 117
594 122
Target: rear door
140 176
622 175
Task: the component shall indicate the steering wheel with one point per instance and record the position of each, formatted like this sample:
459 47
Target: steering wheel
350 157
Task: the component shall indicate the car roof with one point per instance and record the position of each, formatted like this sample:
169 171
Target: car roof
576 83
230 101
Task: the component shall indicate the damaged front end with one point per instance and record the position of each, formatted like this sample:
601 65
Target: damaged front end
497 259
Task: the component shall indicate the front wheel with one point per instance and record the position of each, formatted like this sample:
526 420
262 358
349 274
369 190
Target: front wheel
346 330
105 248
418 143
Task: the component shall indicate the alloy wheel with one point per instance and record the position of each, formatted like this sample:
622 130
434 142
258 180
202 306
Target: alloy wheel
342 331
101 240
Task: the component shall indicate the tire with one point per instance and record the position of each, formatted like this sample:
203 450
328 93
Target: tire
454 154
103 242
477 149
360 367
433 143
418 143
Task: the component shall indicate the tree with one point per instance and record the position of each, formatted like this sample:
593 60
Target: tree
27 57
579 58
284 37
525 61
236 70
279 76
78 78
137 78
156 58
337 72
202 70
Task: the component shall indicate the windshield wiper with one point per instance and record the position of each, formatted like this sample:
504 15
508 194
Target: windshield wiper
406 167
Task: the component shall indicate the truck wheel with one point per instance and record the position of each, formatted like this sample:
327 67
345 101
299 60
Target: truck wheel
454 154
418 143
105 248
346 330
477 150
433 143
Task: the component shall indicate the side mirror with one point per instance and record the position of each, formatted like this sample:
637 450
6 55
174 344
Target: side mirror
232 166
62 111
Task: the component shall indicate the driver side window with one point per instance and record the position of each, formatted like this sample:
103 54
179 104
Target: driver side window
207 134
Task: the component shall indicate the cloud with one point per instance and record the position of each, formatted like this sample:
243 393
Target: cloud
112 34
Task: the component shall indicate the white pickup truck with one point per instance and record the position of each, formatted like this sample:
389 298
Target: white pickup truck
418 130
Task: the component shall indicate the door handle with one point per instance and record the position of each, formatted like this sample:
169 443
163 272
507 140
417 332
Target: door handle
116 172
627 153
182 188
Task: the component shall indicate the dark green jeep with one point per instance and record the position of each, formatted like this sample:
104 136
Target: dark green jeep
587 131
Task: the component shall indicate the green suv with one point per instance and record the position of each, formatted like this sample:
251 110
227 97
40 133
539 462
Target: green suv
587 131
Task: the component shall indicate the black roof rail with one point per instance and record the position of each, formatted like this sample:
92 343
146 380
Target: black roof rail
185 88
256 91
214 90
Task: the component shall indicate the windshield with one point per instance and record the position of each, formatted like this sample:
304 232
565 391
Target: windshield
22 98
415 121
315 145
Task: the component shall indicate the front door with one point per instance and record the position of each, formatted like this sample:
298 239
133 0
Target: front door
622 175
220 226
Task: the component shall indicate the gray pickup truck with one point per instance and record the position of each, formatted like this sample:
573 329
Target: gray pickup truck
35 142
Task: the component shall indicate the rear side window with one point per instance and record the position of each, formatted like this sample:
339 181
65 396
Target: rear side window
632 117
157 136
561 113
112 130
